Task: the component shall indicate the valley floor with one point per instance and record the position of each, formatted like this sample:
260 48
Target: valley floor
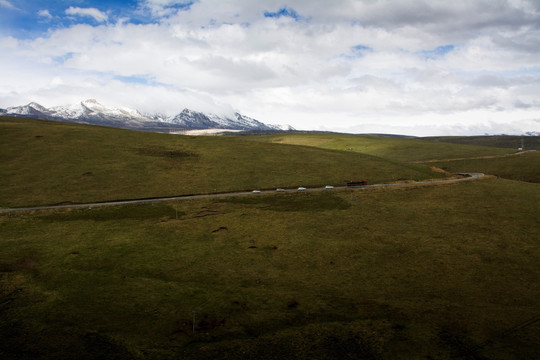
443 272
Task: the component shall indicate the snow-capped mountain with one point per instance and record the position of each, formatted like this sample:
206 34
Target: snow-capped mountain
92 112
88 111
189 119
285 127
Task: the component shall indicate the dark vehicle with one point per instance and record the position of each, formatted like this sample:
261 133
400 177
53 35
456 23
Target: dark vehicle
357 183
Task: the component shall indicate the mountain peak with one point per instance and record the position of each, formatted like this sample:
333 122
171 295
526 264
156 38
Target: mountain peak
90 111
37 106
93 104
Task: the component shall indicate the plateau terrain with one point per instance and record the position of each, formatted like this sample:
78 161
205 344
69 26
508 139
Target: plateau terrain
427 270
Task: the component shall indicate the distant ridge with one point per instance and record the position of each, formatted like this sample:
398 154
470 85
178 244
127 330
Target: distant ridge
391 135
92 112
528 141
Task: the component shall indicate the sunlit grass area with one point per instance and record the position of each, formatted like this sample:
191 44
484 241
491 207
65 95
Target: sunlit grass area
511 142
525 167
50 162
394 148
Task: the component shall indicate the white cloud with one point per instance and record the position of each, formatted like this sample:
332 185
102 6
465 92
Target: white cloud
384 63
96 14
45 14
6 4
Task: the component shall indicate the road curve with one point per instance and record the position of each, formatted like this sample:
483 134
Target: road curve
467 177
472 158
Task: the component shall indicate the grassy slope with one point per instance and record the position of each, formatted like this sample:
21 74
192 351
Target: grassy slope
416 273
524 167
511 142
398 149
50 162
412 273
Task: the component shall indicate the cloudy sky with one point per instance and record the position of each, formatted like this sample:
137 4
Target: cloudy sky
418 67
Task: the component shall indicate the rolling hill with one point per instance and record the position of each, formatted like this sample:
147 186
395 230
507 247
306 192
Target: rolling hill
511 142
439 272
48 162
392 148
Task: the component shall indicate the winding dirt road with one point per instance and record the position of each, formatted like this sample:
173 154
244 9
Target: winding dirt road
466 177
473 158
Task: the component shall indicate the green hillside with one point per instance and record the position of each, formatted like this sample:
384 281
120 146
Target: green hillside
399 149
525 167
440 271
47 162
511 142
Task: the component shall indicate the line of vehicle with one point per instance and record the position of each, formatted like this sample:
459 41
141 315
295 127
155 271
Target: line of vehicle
468 176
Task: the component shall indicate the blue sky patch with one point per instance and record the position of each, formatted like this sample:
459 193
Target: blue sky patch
134 79
32 18
139 80
360 48
437 52
182 6
283 12
356 51
62 59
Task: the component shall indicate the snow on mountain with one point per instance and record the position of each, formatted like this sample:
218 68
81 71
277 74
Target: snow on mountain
68 112
88 111
284 127
250 123
93 108
27 110
92 112
189 119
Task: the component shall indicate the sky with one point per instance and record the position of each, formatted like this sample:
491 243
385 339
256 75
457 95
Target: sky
413 67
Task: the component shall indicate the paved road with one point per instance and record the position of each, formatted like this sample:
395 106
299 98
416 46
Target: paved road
468 176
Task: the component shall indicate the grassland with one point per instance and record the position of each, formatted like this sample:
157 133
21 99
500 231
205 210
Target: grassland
437 272
397 149
51 162
511 142
525 167
417 273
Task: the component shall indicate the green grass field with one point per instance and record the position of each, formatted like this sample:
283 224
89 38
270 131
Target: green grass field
398 149
511 142
428 272
52 162
413 273
524 167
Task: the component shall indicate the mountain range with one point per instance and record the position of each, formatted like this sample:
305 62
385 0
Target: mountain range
92 112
